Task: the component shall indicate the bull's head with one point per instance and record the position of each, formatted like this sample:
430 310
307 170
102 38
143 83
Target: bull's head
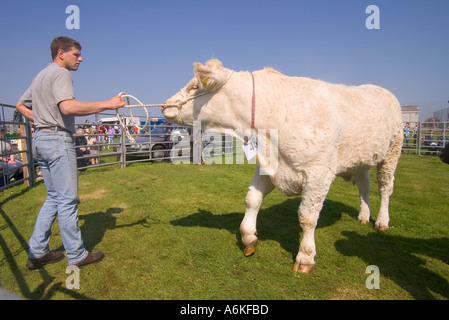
203 98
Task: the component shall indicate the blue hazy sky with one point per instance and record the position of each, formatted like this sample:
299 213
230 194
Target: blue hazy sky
147 48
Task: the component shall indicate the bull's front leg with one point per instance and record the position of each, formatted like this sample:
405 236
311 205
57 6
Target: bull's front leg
260 186
314 194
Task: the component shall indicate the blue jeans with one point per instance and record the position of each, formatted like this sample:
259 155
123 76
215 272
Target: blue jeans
56 156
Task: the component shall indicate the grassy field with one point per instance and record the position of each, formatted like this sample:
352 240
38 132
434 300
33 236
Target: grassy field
172 232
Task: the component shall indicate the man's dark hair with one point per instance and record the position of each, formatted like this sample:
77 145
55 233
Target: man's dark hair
63 43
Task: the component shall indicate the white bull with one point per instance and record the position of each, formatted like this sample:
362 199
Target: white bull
323 131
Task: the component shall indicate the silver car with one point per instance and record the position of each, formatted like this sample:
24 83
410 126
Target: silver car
157 145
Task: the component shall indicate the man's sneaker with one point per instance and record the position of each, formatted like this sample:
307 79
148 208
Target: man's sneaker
52 257
91 258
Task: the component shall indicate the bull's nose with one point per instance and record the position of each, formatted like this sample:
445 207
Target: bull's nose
164 106
168 111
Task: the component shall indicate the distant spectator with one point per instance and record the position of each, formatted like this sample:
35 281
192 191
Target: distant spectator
93 146
406 132
86 126
428 138
101 130
81 147
12 168
111 134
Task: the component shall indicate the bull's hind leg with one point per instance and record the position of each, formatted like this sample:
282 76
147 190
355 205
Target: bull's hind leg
362 181
260 186
385 180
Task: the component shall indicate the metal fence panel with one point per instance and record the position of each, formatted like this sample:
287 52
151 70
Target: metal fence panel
16 159
426 138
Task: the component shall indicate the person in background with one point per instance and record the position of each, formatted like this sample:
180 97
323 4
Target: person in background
111 135
81 149
92 142
101 130
10 166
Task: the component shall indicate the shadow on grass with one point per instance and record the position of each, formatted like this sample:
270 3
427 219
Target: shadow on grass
46 289
279 222
398 260
96 224
93 231
394 255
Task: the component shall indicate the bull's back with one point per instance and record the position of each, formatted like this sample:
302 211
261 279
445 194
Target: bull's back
371 123
348 128
356 123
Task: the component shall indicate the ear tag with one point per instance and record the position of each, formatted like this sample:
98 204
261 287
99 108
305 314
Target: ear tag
206 81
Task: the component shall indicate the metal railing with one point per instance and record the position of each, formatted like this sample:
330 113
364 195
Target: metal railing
16 159
426 138
158 142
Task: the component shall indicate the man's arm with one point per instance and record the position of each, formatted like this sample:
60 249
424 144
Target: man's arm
25 111
78 108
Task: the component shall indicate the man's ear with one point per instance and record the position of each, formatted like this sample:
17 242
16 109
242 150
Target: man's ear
205 75
61 52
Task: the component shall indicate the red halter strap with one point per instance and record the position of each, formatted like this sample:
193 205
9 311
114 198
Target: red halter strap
253 104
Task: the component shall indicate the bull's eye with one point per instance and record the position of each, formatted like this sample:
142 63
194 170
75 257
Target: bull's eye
193 88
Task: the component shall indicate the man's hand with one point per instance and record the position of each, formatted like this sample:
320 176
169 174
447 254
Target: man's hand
27 113
116 102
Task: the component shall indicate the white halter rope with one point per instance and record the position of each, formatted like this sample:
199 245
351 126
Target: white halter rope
185 99
135 123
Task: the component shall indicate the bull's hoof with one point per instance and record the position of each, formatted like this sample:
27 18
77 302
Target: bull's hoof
249 249
363 221
304 268
380 228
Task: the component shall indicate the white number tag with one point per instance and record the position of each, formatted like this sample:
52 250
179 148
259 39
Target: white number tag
251 147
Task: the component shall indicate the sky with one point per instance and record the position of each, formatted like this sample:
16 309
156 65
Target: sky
147 47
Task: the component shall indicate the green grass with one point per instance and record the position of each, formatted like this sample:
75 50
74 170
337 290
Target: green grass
172 232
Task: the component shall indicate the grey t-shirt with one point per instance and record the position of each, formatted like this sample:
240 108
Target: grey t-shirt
51 86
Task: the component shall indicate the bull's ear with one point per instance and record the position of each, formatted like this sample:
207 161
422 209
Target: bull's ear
206 76
214 64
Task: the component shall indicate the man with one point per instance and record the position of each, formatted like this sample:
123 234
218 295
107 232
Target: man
49 102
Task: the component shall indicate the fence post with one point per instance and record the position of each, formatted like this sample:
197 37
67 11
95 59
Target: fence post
419 138
443 134
29 152
22 144
28 170
123 148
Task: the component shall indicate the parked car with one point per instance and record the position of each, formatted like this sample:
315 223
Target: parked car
156 145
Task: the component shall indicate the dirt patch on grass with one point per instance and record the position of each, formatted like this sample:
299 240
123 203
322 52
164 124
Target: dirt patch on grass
94 195
351 294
